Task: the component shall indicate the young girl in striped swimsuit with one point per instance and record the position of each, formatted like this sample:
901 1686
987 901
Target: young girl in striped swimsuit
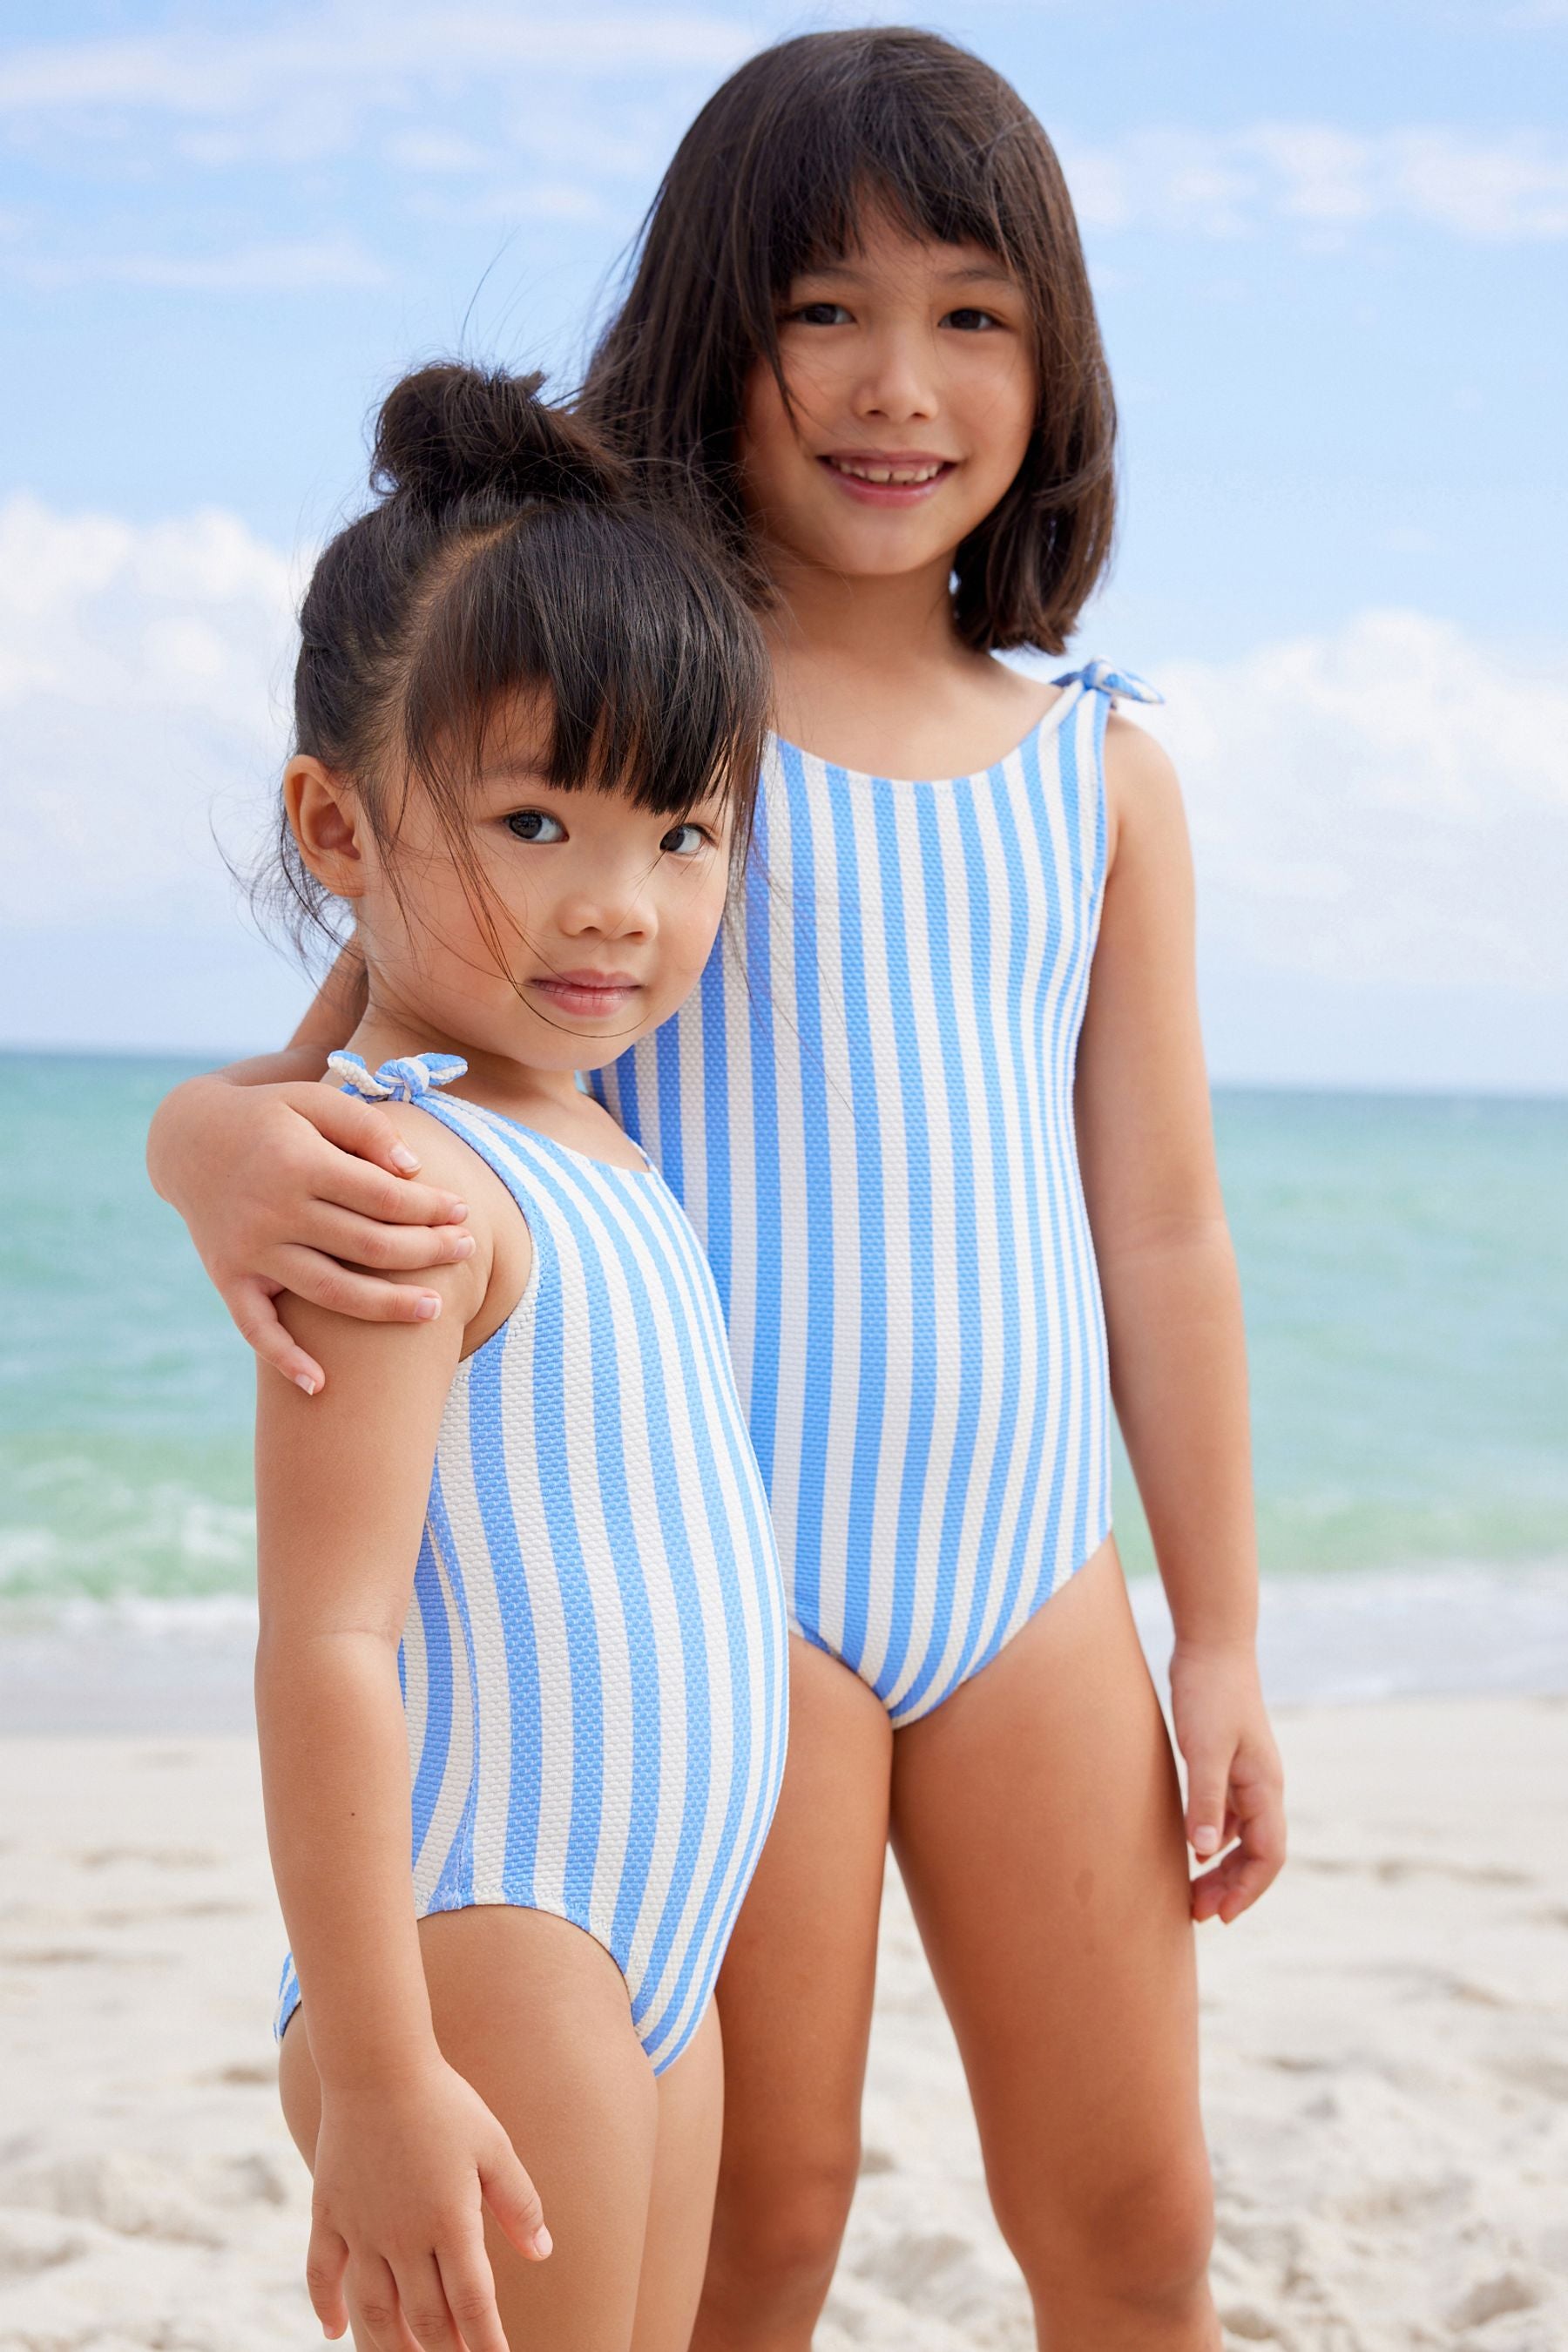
520 1682
940 1117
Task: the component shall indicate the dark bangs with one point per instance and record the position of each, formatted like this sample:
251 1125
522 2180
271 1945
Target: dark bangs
776 177
647 679
509 561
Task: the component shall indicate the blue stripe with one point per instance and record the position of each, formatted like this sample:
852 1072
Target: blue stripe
1030 1080
487 1448
987 1013
904 1564
432 1606
872 1317
954 1500
762 1373
817 1271
455 1885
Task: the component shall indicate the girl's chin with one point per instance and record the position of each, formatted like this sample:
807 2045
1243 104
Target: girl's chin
870 546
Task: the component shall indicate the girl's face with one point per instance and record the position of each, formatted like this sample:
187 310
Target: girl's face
605 912
911 374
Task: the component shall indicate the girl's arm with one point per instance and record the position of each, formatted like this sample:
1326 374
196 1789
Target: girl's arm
1173 1311
289 1185
407 2151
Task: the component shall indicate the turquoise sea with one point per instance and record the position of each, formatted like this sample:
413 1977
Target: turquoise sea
1405 1262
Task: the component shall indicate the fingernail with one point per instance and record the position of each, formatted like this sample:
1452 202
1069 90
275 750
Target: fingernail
543 2243
463 1247
457 1214
405 1158
1204 1841
303 1381
429 1307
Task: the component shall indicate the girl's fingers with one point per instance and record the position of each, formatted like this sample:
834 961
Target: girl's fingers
514 2201
1208 1774
470 2291
376 1164
378 2312
368 1191
1244 1877
1247 1871
384 1249
253 1306
422 2299
355 1125
326 2261
365 1297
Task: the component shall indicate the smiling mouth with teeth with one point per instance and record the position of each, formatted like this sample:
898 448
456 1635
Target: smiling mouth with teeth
866 469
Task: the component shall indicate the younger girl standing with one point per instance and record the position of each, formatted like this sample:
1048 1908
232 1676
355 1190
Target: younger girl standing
520 1675
944 1128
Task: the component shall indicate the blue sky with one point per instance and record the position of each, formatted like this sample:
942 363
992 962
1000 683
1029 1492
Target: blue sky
1329 249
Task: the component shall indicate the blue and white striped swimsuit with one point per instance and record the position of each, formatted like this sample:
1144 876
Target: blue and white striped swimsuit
867 1114
594 1661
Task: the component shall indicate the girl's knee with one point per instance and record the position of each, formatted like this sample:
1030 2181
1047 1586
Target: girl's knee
1142 2241
779 2232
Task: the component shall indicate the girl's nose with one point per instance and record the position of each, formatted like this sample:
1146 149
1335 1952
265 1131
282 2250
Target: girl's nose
612 906
899 382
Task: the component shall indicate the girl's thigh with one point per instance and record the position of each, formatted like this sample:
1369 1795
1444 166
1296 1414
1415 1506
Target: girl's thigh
794 1993
535 2013
680 2206
1037 1820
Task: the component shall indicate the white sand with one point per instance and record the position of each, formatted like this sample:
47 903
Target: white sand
1386 2053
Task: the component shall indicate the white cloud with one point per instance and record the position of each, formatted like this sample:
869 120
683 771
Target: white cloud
1489 188
1385 802
141 677
365 58
1389 802
286 268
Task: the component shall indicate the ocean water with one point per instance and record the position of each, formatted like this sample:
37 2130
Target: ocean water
1405 1265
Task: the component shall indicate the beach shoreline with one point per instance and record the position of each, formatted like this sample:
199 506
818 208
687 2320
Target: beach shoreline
144 1664
1385 2056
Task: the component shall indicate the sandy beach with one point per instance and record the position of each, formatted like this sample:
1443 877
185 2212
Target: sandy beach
1387 2060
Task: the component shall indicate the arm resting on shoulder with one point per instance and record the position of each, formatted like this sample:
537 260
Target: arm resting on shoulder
287 1185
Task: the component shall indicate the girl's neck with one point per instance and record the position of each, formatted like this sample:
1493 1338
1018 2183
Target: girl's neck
825 626
388 1032
872 672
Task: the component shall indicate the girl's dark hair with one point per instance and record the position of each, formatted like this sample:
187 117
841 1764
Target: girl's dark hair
775 175
507 555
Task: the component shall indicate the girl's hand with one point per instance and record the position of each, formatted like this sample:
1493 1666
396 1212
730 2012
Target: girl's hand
294 1188
1236 1783
402 2174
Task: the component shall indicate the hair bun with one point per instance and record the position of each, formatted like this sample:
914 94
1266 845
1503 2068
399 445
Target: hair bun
450 432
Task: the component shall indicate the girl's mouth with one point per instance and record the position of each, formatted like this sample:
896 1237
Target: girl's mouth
896 477
587 995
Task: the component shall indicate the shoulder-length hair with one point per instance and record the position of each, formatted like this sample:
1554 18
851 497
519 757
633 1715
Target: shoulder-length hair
775 177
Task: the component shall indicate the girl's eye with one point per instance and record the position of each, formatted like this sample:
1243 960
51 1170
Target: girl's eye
533 824
972 321
685 840
817 314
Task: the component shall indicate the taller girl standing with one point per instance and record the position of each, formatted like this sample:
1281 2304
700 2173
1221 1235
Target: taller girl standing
946 1130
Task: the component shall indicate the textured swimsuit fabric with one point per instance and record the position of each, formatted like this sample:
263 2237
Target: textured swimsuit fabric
593 1663
866 1109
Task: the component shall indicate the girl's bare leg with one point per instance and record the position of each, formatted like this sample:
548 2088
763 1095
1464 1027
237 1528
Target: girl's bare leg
794 1997
535 2013
681 2205
1037 1820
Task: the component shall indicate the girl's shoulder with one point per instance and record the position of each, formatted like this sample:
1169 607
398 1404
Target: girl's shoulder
484 1287
1143 793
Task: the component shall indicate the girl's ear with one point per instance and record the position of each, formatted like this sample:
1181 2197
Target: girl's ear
326 820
